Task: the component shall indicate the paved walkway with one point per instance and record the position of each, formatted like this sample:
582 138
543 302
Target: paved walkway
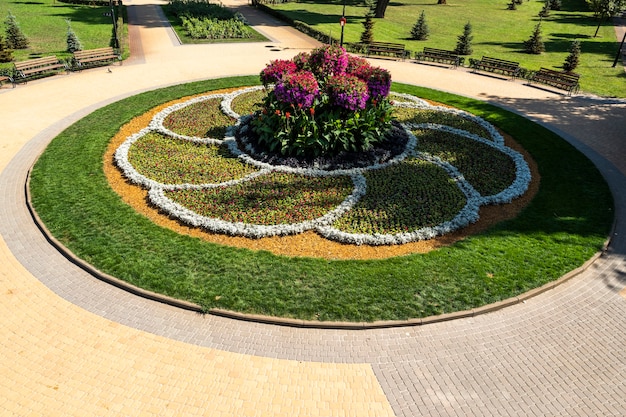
73 346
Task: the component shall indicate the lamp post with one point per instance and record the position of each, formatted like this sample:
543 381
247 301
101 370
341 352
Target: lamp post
342 21
116 43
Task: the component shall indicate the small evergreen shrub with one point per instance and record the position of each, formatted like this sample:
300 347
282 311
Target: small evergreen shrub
73 43
464 43
14 37
545 11
534 45
368 29
420 30
572 60
555 5
6 54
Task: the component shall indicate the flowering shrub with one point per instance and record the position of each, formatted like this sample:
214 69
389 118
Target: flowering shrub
323 103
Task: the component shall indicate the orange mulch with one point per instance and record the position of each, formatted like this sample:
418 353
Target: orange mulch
308 244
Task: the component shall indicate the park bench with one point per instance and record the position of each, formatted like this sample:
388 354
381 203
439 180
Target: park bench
495 65
567 81
388 49
32 68
95 57
438 55
6 77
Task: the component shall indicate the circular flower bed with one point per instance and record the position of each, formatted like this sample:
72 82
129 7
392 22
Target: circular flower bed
450 165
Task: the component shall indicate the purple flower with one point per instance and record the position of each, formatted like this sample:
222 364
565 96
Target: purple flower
347 91
378 82
299 89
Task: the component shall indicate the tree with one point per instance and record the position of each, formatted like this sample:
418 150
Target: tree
441 2
381 8
368 32
572 60
420 30
603 9
464 43
6 54
545 11
15 37
73 44
534 45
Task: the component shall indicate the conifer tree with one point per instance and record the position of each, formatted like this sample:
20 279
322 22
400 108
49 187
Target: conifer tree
73 44
534 45
572 60
545 12
6 54
368 29
464 43
15 37
420 30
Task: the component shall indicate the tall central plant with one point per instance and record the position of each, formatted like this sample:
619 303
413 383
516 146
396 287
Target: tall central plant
323 103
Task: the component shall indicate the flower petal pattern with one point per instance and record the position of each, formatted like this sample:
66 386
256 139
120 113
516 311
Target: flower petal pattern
437 185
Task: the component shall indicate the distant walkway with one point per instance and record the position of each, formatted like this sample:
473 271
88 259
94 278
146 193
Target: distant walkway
74 346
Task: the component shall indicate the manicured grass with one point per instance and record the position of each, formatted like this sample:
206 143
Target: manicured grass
43 24
564 225
497 32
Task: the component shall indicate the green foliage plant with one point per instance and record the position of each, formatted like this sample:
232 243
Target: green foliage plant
368 29
545 11
323 103
420 30
73 43
534 44
573 59
464 43
6 54
14 35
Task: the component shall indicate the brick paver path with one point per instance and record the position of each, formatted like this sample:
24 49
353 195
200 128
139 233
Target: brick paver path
74 346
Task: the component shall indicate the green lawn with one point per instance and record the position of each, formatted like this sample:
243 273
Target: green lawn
566 223
497 32
44 25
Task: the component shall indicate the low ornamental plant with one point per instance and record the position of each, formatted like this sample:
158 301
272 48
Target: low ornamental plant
323 103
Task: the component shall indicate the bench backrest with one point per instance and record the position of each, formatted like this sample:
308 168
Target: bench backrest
94 52
387 45
567 76
496 61
34 63
439 51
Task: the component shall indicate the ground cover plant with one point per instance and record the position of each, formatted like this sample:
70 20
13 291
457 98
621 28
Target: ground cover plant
198 21
565 224
45 25
497 32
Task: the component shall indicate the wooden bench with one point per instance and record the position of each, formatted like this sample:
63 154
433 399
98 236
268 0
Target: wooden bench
567 81
495 65
6 77
438 55
387 48
95 57
37 67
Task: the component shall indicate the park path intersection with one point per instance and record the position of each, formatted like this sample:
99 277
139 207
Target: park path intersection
74 346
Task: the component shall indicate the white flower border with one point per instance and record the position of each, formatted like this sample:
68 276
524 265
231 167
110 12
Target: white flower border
323 225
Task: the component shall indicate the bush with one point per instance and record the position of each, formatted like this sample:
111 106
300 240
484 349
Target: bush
73 44
6 54
368 29
15 37
572 60
534 45
420 30
464 44
323 103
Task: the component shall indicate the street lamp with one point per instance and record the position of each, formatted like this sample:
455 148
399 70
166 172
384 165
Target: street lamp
342 21
116 43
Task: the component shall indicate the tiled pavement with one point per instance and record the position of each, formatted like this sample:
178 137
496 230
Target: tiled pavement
73 346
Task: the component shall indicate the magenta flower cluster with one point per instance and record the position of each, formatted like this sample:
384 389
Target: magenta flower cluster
275 70
297 88
328 61
348 91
